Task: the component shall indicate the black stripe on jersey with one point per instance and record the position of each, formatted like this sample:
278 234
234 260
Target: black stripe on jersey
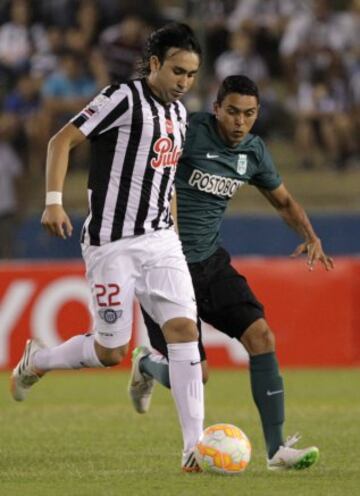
177 112
168 219
79 121
129 164
164 181
119 110
82 236
111 89
149 173
102 156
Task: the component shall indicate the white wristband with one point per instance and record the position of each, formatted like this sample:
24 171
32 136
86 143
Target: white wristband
53 198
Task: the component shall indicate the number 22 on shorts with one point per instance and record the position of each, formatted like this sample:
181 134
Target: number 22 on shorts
107 295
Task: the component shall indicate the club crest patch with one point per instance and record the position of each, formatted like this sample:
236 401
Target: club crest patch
98 103
169 126
241 165
110 315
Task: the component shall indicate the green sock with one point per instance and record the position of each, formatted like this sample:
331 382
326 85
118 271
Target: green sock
156 366
268 393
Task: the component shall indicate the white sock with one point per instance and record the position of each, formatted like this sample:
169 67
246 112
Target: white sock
187 389
76 353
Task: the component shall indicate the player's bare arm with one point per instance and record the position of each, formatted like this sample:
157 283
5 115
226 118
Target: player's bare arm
54 218
295 216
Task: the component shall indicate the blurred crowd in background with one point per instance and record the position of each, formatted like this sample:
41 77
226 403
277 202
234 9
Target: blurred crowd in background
55 55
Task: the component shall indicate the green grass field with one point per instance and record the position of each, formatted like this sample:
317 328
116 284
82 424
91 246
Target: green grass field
78 435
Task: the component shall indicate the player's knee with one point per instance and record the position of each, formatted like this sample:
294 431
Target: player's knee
180 330
110 357
258 338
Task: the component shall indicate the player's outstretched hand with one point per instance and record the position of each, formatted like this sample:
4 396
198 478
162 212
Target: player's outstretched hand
315 254
56 221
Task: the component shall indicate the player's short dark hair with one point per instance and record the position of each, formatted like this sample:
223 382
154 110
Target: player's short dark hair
172 35
237 84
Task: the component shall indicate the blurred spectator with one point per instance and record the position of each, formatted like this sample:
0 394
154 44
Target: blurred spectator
149 11
24 100
82 37
312 41
322 121
121 46
241 58
76 42
45 62
10 174
60 13
18 40
319 50
22 120
265 22
86 27
210 18
67 90
349 24
349 27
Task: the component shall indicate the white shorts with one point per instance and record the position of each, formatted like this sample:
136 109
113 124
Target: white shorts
151 267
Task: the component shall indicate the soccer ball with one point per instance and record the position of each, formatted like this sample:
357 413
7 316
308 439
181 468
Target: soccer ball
223 448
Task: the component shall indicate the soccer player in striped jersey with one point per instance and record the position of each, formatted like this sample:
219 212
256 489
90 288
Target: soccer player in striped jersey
220 155
129 244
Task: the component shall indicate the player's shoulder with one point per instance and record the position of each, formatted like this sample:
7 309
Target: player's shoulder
255 140
196 118
111 92
256 144
199 124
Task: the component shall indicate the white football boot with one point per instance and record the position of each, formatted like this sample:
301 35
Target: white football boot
189 463
287 457
24 374
141 385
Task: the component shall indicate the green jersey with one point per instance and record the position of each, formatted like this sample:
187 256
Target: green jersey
209 173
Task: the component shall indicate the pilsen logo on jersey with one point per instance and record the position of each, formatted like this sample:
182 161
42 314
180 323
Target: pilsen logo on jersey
241 165
167 153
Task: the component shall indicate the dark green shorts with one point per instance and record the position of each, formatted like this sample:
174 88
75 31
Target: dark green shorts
224 300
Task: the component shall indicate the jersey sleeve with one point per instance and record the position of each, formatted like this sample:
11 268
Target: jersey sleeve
107 110
267 176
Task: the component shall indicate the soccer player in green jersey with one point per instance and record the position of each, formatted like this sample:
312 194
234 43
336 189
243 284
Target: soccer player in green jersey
220 155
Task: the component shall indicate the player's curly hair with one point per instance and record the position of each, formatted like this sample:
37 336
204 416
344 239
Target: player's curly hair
172 35
237 84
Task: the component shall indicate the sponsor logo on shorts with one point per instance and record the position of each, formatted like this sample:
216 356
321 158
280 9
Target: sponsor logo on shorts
217 185
110 315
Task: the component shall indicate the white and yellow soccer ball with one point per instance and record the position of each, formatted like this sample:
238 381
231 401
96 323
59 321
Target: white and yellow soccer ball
223 448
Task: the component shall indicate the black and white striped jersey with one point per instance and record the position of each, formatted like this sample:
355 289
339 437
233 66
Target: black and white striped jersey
136 141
